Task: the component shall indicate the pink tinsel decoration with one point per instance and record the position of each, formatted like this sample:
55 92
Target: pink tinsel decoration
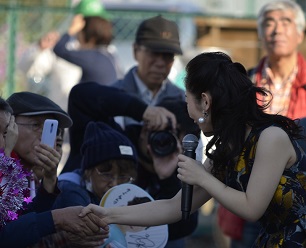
13 187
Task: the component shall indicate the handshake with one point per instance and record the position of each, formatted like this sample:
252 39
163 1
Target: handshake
81 226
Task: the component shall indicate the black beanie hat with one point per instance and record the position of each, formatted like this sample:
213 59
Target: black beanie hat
102 143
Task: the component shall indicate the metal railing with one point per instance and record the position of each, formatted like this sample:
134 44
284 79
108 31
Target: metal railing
22 23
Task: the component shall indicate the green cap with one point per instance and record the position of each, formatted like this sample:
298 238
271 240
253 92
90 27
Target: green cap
91 8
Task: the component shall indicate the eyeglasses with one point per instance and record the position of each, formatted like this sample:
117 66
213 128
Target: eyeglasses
108 177
35 127
168 57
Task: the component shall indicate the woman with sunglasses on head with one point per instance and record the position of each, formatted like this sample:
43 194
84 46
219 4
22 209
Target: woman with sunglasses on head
255 166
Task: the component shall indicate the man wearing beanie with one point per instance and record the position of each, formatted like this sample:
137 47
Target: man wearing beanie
156 44
108 159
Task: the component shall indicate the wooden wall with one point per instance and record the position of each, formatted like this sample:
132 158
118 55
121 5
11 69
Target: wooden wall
237 36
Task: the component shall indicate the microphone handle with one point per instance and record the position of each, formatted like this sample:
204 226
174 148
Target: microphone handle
187 191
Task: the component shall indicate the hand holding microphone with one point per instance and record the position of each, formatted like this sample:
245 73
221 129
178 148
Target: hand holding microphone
190 143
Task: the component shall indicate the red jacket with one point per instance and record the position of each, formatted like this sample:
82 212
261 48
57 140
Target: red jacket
297 104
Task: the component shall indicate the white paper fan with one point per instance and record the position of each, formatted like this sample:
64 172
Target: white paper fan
122 236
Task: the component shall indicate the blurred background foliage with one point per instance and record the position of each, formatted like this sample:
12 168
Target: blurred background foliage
227 25
24 22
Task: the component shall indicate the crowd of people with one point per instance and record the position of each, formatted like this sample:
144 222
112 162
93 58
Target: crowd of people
129 129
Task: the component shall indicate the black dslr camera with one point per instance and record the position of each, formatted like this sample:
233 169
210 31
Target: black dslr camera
163 142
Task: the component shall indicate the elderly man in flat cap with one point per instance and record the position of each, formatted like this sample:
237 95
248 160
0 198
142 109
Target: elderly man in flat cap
31 110
37 220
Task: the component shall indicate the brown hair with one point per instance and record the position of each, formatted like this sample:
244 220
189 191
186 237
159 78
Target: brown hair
98 28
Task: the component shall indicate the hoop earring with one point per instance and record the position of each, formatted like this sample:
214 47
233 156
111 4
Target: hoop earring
202 119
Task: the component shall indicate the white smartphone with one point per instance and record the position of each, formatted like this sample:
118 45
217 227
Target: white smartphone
49 132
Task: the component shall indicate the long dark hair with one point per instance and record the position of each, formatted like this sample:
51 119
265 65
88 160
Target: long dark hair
235 104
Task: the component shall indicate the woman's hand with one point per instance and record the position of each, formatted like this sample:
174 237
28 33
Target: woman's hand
93 209
191 171
68 219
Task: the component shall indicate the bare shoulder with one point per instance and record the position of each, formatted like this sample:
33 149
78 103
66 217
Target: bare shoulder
277 138
274 134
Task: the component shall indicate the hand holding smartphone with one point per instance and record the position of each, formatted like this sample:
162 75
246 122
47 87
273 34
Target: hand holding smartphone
49 132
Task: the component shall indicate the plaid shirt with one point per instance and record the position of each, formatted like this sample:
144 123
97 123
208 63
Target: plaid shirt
279 89
295 104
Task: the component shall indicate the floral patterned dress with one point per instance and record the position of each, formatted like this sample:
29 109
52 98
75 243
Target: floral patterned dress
284 222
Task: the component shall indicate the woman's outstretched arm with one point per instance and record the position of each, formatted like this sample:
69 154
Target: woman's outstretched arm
154 213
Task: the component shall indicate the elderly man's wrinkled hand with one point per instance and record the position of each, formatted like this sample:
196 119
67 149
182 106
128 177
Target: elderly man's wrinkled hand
68 219
165 166
158 118
46 164
95 240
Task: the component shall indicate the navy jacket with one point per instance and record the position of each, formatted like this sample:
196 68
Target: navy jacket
128 84
73 191
97 65
36 222
94 102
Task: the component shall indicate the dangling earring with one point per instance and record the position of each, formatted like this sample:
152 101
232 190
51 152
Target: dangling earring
202 119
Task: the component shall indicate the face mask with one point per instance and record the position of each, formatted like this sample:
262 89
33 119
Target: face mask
88 185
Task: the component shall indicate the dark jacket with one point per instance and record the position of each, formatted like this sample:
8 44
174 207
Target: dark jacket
26 230
35 223
94 102
73 191
98 65
129 85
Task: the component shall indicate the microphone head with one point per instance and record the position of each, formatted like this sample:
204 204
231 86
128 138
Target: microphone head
190 142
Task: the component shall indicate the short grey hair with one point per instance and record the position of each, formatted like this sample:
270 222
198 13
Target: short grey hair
281 5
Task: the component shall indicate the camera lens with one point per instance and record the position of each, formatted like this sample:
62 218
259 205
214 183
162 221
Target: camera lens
162 143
